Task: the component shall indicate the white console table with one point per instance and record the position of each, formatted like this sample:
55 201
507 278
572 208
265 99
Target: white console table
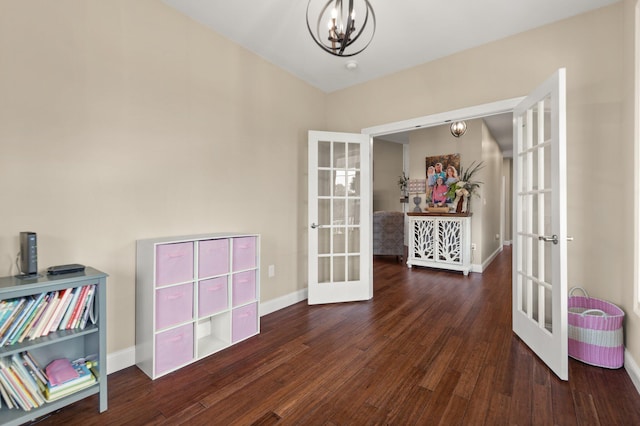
440 241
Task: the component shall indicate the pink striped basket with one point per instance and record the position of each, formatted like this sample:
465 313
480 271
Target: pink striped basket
595 331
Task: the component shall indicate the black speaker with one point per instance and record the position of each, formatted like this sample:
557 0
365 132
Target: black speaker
28 253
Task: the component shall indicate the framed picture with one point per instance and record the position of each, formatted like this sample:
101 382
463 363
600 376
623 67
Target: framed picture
444 167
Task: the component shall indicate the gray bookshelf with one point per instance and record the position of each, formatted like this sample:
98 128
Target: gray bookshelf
72 344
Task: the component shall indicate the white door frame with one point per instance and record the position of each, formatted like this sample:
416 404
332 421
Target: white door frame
469 113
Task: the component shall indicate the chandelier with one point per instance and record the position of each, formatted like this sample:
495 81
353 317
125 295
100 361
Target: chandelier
336 31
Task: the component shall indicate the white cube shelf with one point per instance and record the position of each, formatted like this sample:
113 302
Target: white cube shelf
195 295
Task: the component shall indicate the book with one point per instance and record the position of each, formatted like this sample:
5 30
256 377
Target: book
5 396
84 375
13 392
38 329
60 310
70 308
78 308
7 309
35 317
35 366
24 399
88 308
14 315
51 396
60 371
18 321
83 380
24 322
27 379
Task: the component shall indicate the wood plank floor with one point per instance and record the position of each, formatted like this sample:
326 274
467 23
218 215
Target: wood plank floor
432 347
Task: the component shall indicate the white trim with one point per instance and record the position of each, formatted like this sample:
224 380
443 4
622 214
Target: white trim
481 267
120 360
468 113
632 369
508 242
282 302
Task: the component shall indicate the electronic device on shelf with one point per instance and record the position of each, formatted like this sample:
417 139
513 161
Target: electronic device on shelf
65 269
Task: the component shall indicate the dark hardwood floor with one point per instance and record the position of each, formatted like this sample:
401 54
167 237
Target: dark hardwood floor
432 347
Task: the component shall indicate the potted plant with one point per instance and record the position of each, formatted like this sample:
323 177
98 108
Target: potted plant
461 191
403 183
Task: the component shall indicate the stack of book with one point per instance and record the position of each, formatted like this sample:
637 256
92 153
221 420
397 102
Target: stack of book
24 384
30 317
65 378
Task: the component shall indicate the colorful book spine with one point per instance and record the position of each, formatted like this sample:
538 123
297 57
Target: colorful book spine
69 312
26 319
28 381
14 315
78 308
88 307
39 327
18 322
60 310
35 366
13 392
35 317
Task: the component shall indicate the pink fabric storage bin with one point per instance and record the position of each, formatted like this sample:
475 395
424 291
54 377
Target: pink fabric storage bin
244 287
174 305
244 322
174 348
213 257
174 263
212 296
244 253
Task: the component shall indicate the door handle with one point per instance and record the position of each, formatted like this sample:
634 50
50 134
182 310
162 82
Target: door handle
314 226
552 239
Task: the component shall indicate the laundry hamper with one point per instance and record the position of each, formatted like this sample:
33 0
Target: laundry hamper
595 331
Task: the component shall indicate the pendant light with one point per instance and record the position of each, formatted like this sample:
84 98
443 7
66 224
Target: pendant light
458 128
335 29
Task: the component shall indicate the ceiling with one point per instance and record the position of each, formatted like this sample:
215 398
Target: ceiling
408 32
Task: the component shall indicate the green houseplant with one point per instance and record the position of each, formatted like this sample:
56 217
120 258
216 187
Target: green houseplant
461 191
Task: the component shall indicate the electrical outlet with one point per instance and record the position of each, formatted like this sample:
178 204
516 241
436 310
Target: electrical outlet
497 236
272 271
473 246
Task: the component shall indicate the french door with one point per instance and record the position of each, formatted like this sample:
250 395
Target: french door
340 263
540 223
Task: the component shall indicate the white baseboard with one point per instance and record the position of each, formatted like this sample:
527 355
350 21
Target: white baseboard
507 242
479 268
632 369
282 302
117 361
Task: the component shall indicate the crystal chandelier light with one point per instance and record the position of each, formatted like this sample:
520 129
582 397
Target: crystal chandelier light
336 31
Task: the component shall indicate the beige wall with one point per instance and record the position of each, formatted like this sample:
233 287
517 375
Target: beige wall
122 120
597 50
387 169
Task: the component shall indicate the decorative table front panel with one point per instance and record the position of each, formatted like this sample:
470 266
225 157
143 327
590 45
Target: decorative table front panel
440 241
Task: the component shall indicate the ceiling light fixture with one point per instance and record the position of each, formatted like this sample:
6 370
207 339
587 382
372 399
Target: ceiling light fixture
458 128
335 29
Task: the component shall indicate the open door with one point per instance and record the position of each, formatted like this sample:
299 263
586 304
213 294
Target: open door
540 223
340 262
